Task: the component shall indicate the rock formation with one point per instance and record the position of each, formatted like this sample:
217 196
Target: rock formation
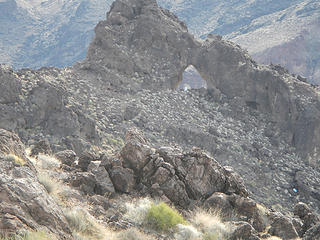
260 120
150 48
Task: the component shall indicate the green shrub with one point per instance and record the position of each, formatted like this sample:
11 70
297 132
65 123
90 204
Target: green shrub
162 217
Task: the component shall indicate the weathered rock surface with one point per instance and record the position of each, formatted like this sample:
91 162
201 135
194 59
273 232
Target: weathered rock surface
43 146
10 143
67 157
25 204
180 177
282 227
313 233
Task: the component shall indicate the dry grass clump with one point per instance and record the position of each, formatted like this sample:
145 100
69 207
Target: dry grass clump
133 234
51 185
211 225
48 162
84 226
136 212
187 232
15 159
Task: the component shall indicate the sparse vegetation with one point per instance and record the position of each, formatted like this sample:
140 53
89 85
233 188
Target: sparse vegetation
48 162
137 211
162 217
50 185
31 235
84 225
211 225
17 160
187 232
211 236
133 234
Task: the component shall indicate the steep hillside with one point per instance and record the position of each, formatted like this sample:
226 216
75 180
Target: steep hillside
259 121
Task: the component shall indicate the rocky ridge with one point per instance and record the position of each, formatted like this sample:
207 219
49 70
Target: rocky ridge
261 120
97 182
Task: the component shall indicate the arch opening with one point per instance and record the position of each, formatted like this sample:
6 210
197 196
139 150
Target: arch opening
191 79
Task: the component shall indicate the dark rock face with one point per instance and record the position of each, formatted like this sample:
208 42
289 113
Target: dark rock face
283 228
123 179
180 177
43 146
67 157
41 105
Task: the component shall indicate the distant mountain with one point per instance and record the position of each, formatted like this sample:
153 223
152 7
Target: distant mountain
40 33
36 33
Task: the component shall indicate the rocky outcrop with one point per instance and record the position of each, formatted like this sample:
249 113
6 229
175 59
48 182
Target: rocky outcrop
25 204
180 177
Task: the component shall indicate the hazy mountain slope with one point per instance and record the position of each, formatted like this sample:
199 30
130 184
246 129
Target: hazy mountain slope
47 33
57 33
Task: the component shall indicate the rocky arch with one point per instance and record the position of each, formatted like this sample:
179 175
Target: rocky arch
142 46
190 78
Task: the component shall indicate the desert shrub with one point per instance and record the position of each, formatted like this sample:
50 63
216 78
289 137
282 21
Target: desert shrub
83 224
49 184
136 212
133 234
187 232
13 158
211 225
48 162
162 217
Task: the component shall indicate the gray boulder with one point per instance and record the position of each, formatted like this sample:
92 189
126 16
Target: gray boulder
282 227
67 157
